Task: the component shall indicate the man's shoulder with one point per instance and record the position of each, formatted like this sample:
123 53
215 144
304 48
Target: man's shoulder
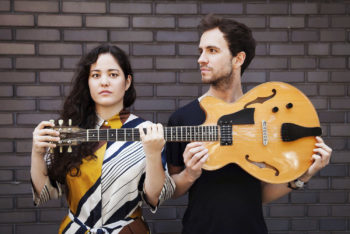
184 111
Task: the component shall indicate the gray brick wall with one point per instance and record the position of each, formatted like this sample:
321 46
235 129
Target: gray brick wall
305 43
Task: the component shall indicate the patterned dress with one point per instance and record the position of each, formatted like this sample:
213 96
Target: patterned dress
109 192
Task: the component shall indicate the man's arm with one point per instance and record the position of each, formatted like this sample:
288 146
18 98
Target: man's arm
195 155
321 158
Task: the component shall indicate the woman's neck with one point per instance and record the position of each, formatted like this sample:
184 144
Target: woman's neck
108 112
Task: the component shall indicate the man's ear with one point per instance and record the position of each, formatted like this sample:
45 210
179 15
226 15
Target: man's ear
128 82
239 59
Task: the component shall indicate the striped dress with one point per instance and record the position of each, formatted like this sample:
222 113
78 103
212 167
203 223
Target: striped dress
109 192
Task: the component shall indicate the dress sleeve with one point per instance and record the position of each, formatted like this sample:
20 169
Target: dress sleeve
51 190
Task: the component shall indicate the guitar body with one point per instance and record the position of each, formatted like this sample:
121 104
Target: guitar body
272 160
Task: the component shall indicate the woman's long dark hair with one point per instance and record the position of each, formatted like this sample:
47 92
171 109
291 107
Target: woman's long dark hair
80 108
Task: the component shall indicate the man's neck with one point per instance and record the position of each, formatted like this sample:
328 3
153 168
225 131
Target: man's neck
229 93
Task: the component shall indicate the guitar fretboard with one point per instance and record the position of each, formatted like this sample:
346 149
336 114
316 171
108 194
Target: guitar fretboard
174 134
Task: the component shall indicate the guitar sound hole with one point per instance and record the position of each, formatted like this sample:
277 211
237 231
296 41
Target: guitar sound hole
263 165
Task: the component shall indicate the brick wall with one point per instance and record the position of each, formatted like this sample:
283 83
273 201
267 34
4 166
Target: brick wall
305 43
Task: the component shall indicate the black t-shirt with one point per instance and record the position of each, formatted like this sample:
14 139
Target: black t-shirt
227 200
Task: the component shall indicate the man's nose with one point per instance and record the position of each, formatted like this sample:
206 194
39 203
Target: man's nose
202 58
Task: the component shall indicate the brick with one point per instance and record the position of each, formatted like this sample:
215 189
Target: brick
154 77
333 224
141 63
37 63
70 62
13 105
340 130
304 197
162 117
16 20
56 76
283 49
340 157
162 213
190 77
340 22
176 63
60 20
17 77
6 146
188 49
287 76
84 7
14 161
131 36
332 116
332 8
154 104
332 90
287 22
5 5
168 226
304 224
17 133
16 48
23 146
60 49
300 63
222 8
340 76
5 34
332 197
336 144
318 49
254 77
14 217
144 90
340 49
187 36
305 36
274 36
276 224
27 202
52 215
36 6
38 34
340 183
107 21
252 22
181 91
131 8
286 211
332 35
22 175
37 228
153 22
304 8
122 46
12 189
308 90
318 21
318 210
270 9
334 170
188 22
5 63
50 105
37 91
6 203
317 76
341 210
6 91
155 49
176 8
268 63
6 119
85 35
6 175
26 118
319 103
333 62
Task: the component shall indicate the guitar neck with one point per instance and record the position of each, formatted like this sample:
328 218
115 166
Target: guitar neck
171 134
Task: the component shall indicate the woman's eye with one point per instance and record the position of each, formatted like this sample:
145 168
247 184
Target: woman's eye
114 75
94 75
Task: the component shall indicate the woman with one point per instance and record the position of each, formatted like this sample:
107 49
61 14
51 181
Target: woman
104 183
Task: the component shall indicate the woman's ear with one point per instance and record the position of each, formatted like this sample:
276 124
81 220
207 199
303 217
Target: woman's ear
128 82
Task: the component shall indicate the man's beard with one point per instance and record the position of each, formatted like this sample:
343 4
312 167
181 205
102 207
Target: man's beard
221 81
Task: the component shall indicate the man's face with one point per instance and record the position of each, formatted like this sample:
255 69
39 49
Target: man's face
215 58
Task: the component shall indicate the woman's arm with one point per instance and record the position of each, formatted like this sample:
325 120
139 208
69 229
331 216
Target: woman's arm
41 142
153 143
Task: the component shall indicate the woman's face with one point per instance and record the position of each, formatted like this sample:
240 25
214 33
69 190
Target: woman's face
107 83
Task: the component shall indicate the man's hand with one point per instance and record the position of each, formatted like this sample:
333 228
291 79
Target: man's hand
195 155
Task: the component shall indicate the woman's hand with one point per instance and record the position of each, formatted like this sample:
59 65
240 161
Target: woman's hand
44 137
195 155
152 141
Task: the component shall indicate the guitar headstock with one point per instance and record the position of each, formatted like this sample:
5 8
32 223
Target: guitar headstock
69 135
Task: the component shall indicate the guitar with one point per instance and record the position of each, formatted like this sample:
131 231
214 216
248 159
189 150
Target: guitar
269 132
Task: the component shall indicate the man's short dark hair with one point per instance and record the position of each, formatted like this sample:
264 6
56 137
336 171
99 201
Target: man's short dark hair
238 36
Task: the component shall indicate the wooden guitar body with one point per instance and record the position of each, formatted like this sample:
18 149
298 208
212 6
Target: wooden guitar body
277 144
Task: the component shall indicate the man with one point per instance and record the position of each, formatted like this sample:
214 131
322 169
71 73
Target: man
227 200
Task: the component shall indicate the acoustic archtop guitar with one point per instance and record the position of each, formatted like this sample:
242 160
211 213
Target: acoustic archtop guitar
269 132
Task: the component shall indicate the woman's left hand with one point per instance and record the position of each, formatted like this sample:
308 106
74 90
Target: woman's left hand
152 141
321 157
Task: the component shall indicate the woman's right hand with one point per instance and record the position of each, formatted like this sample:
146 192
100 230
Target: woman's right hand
44 137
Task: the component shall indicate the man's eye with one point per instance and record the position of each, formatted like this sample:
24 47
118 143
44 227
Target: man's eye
212 50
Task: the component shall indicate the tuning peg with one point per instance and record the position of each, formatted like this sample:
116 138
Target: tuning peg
61 149
70 122
69 150
51 151
52 121
60 122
